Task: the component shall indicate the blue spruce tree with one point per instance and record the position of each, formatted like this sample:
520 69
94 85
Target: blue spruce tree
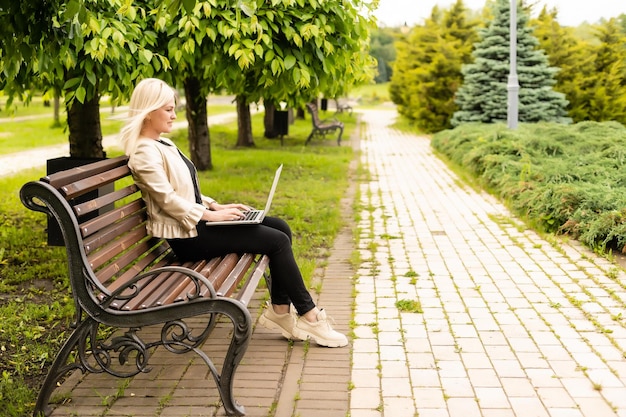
483 96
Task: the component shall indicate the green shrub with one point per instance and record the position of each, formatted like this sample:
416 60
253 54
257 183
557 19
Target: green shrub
562 178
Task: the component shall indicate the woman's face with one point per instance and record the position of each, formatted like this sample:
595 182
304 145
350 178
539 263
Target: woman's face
160 121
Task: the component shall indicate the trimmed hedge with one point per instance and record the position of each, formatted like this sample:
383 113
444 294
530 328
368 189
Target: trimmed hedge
566 179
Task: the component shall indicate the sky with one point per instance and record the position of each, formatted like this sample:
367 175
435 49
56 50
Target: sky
570 12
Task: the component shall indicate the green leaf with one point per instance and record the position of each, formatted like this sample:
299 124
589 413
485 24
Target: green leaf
248 7
71 9
290 61
233 48
91 76
275 66
81 93
188 5
305 80
71 83
94 25
147 54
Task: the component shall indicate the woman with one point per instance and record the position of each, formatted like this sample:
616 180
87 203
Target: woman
178 212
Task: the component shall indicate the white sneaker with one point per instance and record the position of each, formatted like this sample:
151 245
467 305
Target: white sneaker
283 322
321 331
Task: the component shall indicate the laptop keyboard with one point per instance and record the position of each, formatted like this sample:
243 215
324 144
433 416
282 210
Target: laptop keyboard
251 215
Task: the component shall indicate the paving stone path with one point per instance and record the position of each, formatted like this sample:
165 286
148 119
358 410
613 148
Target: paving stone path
512 324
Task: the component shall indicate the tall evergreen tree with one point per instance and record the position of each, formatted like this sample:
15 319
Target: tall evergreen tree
483 96
571 55
428 68
607 93
382 48
411 52
592 73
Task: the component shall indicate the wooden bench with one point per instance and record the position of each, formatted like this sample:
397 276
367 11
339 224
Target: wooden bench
124 279
322 127
341 107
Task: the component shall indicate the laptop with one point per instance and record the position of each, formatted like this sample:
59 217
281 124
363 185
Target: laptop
254 216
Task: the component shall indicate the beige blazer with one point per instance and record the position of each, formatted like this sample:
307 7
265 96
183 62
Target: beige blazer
167 189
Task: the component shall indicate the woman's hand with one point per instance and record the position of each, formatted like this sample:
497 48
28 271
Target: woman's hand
224 212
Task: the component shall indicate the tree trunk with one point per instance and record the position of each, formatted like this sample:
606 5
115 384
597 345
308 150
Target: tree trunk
244 123
57 110
83 121
268 120
300 114
197 125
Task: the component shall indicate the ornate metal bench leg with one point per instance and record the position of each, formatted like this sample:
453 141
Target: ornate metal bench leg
60 367
339 137
242 331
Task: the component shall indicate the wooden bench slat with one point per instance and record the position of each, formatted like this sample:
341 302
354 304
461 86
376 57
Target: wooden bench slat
121 304
90 227
139 256
115 248
61 178
159 293
131 228
130 274
180 293
246 293
146 290
162 281
80 187
104 201
221 272
236 275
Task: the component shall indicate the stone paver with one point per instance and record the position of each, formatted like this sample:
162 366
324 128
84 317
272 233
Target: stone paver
506 323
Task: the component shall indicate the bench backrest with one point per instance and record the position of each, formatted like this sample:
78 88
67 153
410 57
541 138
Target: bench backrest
116 237
102 217
314 114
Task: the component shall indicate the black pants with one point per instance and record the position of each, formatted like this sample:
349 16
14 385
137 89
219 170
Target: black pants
272 238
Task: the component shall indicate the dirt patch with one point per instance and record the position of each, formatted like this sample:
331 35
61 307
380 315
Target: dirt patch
38 290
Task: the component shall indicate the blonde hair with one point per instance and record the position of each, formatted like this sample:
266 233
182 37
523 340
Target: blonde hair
150 94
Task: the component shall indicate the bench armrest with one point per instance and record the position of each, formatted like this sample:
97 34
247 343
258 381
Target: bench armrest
131 289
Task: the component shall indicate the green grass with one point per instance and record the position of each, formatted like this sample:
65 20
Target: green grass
23 135
409 306
371 95
35 301
32 126
18 109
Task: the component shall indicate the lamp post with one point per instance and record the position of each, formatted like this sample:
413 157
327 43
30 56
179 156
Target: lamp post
513 83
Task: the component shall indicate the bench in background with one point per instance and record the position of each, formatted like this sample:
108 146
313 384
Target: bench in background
341 107
322 127
122 278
